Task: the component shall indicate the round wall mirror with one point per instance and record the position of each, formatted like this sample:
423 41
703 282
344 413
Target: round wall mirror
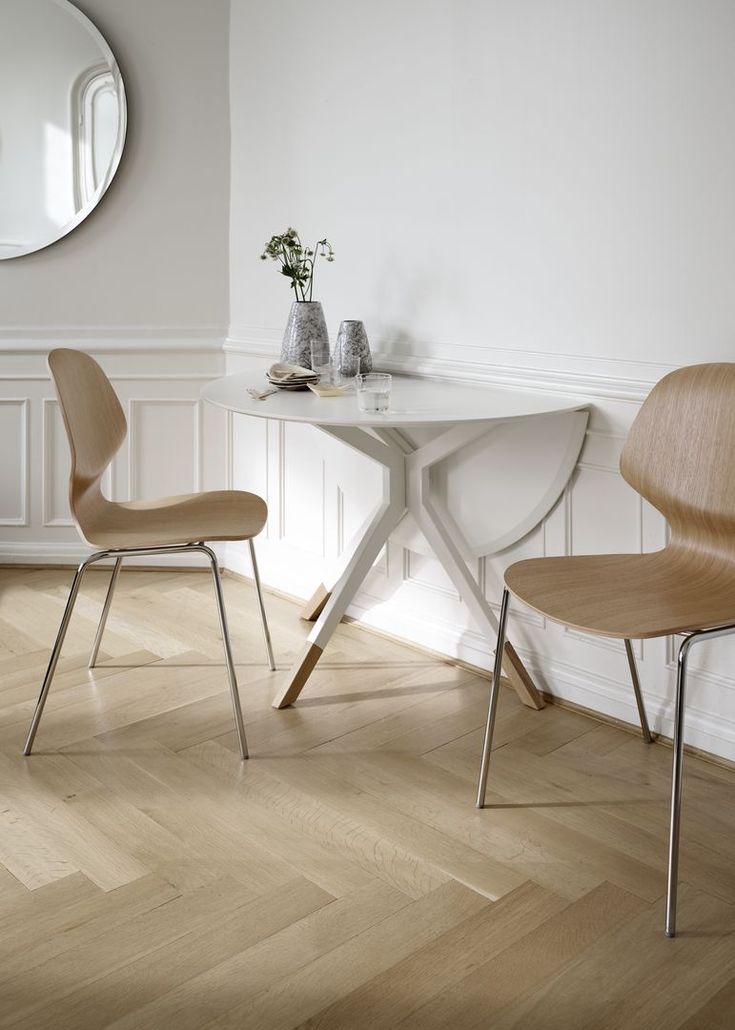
62 122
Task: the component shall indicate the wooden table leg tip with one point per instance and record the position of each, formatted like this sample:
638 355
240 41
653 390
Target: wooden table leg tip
520 679
315 605
298 676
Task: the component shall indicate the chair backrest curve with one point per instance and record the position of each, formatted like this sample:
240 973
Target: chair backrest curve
680 455
94 421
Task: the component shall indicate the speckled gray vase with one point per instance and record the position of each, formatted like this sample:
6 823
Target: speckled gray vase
305 323
352 349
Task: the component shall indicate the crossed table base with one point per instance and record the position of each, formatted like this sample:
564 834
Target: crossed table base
406 490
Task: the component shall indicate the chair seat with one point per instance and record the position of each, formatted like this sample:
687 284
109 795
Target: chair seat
183 519
628 595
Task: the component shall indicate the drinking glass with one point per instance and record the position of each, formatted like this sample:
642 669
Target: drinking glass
327 371
316 352
373 391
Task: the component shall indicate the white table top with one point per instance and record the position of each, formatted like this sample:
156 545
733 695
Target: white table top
414 402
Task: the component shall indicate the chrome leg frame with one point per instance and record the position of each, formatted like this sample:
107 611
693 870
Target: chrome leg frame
53 660
676 785
105 613
228 649
493 704
118 555
261 606
677 766
647 735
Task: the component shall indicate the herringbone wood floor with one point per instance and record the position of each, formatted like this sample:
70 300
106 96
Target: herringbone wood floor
340 878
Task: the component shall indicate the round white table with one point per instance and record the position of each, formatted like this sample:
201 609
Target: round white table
553 433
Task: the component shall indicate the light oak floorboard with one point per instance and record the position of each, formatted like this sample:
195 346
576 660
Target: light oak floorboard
342 877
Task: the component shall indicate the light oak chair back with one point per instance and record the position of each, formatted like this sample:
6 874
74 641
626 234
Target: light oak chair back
680 455
95 426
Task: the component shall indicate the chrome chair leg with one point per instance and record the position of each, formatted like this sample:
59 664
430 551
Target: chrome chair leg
56 651
678 765
261 606
493 703
105 613
647 735
239 724
676 785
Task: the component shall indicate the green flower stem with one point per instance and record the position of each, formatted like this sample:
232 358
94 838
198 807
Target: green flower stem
298 263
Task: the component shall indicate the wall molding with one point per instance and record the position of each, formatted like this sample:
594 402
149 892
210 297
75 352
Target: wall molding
135 404
109 339
621 379
24 456
48 477
153 377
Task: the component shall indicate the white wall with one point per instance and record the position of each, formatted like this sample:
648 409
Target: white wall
553 177
518 192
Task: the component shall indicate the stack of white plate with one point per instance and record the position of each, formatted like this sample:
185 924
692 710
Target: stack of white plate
290 377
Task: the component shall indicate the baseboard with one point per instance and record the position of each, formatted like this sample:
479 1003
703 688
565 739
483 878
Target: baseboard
581 687
103 566
620 710
552 699
66 555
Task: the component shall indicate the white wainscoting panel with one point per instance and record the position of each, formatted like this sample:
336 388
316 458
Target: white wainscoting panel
164 446
175 443
14 461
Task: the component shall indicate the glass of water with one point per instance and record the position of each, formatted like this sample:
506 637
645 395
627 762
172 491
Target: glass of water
325 367
373 391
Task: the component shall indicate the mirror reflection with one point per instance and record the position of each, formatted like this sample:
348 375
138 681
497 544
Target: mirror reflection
62 122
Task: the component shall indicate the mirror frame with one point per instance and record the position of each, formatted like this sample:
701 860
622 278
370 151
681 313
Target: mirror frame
107 55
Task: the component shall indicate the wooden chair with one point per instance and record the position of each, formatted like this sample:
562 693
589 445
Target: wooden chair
95 428
680 456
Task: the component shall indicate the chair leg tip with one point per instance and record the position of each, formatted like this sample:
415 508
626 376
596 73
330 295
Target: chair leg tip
670 933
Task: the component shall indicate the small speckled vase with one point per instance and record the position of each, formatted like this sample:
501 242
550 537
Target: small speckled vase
305 324
352 350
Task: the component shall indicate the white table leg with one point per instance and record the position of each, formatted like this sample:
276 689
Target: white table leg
314 607
386 517
443 536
